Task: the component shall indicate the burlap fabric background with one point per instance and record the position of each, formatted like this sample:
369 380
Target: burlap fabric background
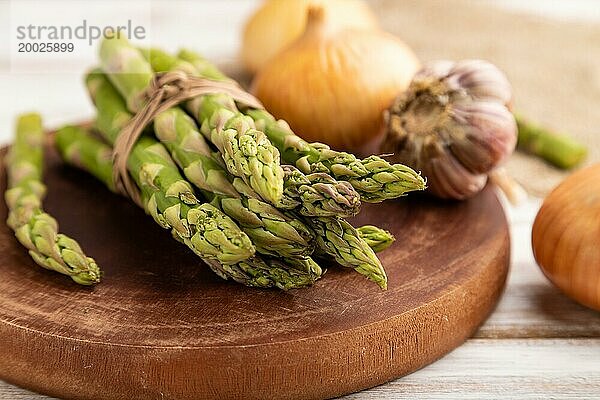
554 66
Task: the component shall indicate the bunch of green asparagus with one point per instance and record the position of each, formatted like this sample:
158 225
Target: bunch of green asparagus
258 204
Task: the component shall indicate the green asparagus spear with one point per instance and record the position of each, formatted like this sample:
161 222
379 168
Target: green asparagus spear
203 227
374 178
170 198
561 151
318 194
80 149
313 194
252 155
221 123
378 239
202 66
77 147
247 152
34 228
269 273
337 238
271 231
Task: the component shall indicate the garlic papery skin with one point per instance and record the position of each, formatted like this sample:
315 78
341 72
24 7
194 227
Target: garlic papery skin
452 123
566 236
482 80
278 23
332 85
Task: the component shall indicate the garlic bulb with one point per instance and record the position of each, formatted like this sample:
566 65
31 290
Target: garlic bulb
453 124
566 236
332 85
277 23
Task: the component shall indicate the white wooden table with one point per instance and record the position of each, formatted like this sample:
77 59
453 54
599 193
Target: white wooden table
537 344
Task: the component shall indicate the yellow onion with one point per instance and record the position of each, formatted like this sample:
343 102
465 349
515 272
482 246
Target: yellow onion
333 84
277 23
566 236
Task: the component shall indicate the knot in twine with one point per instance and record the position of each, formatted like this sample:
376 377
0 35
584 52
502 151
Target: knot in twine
166 90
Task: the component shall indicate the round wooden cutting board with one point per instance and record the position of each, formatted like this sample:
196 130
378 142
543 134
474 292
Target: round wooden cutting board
162 326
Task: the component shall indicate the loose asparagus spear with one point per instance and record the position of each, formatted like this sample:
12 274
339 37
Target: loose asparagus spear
77 147
34 228
561 151
271 231
378 239
316 194
374 178
247 152
170 199
336 237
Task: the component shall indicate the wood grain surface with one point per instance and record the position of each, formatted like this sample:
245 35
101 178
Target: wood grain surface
161 324
523 369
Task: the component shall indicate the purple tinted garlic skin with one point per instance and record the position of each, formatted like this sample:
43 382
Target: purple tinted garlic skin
453 125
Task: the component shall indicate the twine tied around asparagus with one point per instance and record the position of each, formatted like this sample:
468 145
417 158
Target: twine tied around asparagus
165 91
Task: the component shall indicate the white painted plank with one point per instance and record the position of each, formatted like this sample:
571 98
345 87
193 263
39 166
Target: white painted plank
532 308
507 369
10 392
